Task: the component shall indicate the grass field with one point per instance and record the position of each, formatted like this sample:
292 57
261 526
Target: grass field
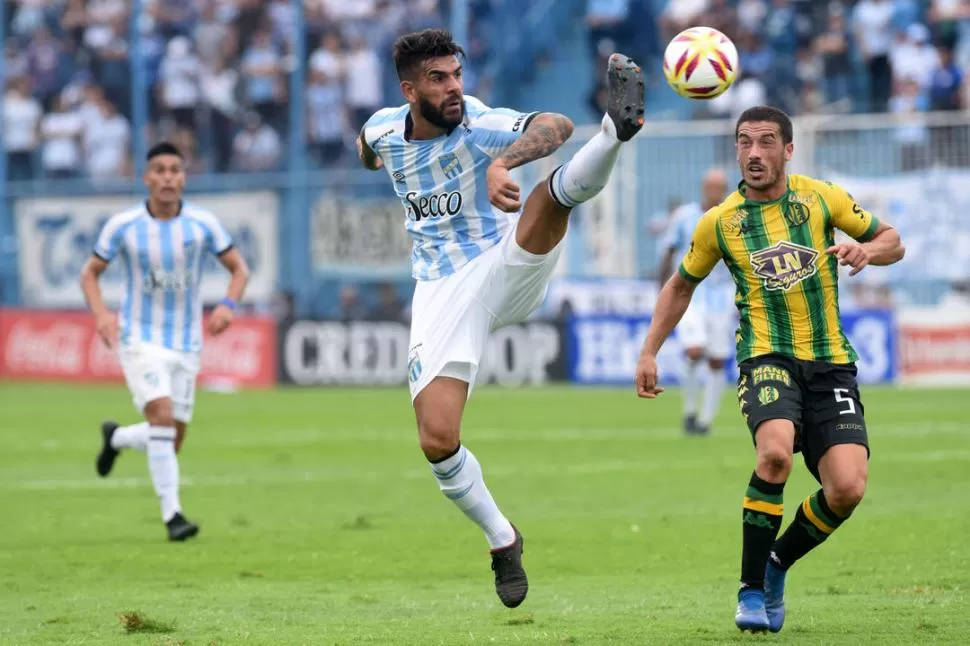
321 524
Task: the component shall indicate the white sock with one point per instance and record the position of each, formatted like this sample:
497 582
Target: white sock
584 176
691 385
164 468
460 479
713 387
131 437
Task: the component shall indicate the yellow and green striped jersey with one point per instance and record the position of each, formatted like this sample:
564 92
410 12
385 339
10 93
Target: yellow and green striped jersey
787 286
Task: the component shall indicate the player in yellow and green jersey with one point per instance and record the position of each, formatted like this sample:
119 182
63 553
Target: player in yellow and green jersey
797 385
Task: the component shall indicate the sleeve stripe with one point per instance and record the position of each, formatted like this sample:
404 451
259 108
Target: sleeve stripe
226 250
870 233
689 277
528 120
99 256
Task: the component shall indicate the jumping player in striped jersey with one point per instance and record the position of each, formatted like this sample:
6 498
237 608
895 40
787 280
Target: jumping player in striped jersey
481 258
158 331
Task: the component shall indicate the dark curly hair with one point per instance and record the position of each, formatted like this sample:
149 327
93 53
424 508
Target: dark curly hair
412 50
770 114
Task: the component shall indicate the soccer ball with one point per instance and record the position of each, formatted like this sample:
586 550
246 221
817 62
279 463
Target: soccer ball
700 63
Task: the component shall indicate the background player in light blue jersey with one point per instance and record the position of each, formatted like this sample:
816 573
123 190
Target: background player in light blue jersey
707 330
158 330
481 258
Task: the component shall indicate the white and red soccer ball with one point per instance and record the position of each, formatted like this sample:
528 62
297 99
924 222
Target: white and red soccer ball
700 63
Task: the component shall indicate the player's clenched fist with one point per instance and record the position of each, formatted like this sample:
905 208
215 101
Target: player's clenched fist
107 326
503 192
851 254
220 320
647 377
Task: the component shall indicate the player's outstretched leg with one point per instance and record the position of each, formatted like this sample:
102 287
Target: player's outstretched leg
115 438
439 408
544 218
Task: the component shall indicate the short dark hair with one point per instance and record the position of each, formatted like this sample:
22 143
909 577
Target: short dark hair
767 113
163 148
412 50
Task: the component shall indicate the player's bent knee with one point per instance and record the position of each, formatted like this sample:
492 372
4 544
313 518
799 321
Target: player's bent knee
158 412
695 354
775 440
844 495
438 442
716 364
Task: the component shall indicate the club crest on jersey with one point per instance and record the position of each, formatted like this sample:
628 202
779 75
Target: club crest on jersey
796 212
450 165
784 265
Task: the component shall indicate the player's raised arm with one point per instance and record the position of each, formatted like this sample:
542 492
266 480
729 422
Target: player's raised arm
673 301
544 134
876 242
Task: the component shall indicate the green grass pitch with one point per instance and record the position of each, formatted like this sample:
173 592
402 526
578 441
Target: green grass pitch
321 524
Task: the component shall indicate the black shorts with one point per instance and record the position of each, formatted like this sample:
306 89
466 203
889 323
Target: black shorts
821 399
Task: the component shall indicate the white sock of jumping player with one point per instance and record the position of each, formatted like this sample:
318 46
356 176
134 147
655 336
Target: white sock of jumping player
460 479
584 176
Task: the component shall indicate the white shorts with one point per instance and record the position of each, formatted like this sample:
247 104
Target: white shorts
452 317
154 372
711 331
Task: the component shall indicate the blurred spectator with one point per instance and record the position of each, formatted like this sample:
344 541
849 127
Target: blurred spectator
262 67
179 83
751 15
364 92
911 132
606 20
61 131
948 142
914 58
325 113
42 60
257 148
107 143
945 81
833 47
872 20
219 84
21 128
681 14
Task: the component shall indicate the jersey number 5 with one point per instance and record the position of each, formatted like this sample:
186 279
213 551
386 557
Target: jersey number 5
843 397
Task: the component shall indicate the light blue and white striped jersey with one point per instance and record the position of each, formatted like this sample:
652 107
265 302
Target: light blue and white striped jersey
442 182
716 293
163 261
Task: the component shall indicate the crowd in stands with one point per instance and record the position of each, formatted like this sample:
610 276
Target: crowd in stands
216 79
809 56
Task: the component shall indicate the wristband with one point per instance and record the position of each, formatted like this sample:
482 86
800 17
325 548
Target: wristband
228 302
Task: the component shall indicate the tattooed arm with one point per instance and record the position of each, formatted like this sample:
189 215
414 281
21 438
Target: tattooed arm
546 133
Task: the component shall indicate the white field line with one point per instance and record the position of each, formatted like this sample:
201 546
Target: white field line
267 437
262 477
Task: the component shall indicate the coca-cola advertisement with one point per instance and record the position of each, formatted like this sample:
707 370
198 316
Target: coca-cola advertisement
64 346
